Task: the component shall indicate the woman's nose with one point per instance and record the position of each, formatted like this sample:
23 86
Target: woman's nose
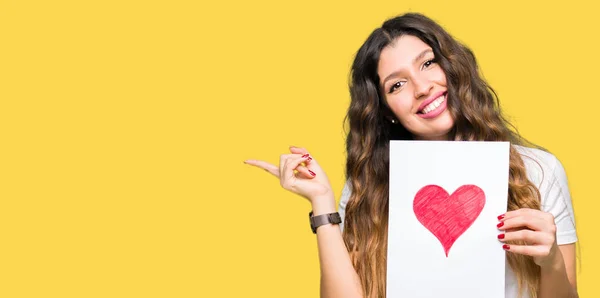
423 87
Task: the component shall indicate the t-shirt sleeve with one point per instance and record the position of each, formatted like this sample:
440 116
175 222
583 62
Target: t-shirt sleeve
556 199
343 201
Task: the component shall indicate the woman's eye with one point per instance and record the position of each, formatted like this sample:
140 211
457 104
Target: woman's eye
428 63
396 86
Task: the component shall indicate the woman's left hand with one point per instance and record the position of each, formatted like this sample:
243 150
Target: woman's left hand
534 227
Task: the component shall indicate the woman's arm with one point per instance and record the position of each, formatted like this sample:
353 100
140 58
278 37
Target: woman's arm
338 277
559 279
301 174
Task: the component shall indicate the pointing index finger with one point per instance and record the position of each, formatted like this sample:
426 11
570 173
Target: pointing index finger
274 170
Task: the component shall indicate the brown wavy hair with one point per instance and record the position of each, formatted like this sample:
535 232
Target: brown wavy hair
475 109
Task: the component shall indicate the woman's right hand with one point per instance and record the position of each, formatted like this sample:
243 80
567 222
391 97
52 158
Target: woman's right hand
299 173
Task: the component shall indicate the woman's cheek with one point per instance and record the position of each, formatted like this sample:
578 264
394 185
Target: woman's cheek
440 76
402 108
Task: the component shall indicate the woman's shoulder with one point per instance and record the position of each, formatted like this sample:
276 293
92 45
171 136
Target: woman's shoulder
535 154
540 165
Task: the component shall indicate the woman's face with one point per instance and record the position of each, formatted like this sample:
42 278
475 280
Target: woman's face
414 86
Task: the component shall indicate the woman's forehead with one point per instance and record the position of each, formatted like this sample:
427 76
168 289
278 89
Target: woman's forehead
403 52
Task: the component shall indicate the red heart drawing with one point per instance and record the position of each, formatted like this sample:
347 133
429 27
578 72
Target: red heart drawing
448 216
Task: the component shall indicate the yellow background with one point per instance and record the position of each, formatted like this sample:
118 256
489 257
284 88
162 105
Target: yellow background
124 124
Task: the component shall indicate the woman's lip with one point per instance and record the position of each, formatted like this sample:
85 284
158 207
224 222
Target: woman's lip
436 112
430 100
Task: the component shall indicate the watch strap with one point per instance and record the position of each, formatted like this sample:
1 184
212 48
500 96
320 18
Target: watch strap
323 219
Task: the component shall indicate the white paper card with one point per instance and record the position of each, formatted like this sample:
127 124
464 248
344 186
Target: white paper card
445 197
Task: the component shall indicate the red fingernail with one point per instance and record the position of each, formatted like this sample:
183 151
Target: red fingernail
312 173
305 155
500 224
309 159
500 217
500 236
506 247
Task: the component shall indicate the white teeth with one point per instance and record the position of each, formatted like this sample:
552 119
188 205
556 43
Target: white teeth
433 105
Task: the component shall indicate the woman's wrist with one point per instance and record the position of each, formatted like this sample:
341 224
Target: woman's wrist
323 204
556 264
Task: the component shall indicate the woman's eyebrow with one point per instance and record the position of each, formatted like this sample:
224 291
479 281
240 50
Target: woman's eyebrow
397 72
420 56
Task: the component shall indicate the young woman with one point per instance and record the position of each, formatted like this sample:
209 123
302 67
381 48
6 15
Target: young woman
412 81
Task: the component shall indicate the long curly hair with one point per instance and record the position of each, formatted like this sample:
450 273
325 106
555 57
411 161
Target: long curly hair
475 109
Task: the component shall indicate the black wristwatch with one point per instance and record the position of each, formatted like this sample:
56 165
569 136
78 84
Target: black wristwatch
323 219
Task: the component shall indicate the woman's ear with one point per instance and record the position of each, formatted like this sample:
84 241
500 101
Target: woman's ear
389 116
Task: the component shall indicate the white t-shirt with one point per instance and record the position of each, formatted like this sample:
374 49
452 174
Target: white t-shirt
546 172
